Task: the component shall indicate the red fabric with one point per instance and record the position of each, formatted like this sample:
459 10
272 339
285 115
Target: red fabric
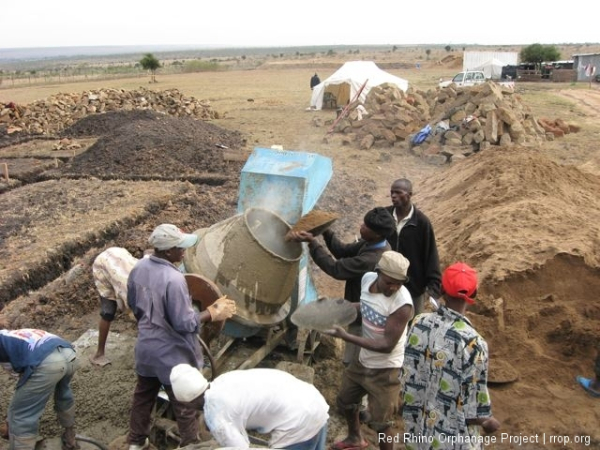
460 281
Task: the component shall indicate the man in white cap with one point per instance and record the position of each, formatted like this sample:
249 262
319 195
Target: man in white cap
269 401
445 394
385 307
168 326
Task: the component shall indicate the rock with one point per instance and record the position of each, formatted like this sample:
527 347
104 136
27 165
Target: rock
52 115
456 157
505 140
367 142
438 160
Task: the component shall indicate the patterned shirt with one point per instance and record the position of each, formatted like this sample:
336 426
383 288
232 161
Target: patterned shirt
23 350
445 383
110 270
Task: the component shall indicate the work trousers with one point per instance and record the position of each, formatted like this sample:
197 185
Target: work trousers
52 377
144 399
317 442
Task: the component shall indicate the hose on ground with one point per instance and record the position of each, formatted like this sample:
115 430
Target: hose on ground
101 446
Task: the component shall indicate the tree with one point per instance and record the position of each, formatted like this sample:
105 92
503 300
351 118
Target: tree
538 53
447 48
428 52
149 62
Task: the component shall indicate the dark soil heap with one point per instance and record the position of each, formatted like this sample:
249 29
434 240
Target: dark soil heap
150 145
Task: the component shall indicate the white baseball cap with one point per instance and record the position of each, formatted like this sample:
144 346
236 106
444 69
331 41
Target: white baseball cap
187 382
167 236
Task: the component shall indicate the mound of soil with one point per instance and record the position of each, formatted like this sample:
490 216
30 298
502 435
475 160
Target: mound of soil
315 222
107 123
532 230
511 209
146 144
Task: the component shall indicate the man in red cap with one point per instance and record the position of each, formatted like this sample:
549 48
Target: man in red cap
445 392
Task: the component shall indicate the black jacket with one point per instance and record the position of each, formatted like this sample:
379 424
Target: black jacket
349 261
417 243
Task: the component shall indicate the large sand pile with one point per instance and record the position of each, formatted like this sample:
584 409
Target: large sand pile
532 230
511 209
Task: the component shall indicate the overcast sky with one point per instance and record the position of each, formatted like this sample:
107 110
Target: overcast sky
267 23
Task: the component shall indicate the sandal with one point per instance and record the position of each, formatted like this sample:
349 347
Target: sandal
586 384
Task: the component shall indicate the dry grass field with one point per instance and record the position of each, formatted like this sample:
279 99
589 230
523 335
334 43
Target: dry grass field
549 260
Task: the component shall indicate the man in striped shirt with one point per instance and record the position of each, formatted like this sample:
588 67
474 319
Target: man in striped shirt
386 307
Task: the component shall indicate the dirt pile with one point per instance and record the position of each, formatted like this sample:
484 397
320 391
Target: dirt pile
151 145
532 230
460 121
51 115
486 211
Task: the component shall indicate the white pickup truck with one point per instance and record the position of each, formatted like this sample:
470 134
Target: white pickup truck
472 78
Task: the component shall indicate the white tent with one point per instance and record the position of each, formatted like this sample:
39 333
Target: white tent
342 86
491 68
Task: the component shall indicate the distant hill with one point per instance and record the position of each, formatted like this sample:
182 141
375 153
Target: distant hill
32 54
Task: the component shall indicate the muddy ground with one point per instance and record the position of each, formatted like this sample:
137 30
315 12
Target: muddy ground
503 211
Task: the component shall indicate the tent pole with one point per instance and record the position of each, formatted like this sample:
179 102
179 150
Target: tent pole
347 107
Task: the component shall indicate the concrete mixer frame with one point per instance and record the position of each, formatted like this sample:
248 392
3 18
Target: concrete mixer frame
204 293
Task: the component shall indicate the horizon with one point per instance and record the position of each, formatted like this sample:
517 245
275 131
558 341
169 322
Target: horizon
20 54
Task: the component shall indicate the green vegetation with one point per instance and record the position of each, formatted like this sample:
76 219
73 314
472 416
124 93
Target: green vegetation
538 53
201 66
149 62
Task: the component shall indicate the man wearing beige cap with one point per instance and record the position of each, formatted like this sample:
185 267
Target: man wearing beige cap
385 307
168 326
445 394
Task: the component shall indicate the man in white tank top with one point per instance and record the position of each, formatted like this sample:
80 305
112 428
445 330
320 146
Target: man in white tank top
386 307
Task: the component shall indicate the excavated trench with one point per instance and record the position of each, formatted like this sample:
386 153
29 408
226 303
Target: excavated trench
124 155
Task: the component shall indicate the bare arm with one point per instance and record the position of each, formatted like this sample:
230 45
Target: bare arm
394 327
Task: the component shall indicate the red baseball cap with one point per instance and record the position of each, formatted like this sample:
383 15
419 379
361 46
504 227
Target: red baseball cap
460 281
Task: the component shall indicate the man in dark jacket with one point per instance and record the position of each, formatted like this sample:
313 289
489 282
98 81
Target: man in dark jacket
349 262
314 80
415 239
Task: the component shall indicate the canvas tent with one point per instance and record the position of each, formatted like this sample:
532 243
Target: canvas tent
492 68
342 86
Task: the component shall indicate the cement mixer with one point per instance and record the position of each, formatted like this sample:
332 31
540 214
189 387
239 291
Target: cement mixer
247 257
249 260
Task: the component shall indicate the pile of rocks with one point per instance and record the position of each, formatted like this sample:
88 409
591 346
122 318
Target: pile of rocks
461 121
52 115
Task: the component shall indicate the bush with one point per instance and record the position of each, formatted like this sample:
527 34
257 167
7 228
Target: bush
201 66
